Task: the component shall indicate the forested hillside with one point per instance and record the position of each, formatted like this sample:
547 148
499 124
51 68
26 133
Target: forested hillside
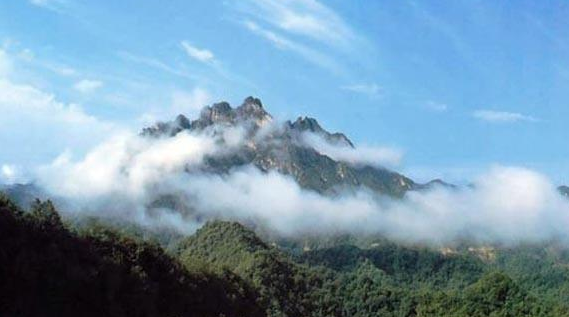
52 268
48 270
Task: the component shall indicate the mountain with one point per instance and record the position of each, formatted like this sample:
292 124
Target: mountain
384 280
281 147
564 190
23 194
47 269
284 286
50 268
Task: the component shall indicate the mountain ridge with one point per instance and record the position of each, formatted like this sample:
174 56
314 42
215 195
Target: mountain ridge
283 149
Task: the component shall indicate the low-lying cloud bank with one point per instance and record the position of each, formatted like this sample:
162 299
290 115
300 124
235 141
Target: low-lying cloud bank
126 175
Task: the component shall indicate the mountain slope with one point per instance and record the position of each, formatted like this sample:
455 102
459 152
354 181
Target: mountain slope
386 280
47 270
285 287
280 147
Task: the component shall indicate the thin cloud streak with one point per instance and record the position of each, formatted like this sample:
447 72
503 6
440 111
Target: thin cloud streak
502 116
371 90
87 86
308 18
156 64
201 55
56 6
283 43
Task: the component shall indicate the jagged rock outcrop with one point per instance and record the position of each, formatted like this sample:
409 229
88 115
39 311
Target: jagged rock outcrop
282 149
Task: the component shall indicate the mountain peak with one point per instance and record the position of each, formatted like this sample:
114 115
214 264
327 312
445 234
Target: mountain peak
308 124
437 183
182 121
252 109
218 112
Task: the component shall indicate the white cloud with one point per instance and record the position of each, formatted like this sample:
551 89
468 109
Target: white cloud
61 69
28 56
360 155
371 90
34 125
87 85
190 103
132 172
283 43
502 116
308 18
202 55
53 5
126 173
11 174
182 102
437 106
125 163
535 212
40 2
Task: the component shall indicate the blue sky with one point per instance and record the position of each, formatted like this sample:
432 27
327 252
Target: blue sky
456 85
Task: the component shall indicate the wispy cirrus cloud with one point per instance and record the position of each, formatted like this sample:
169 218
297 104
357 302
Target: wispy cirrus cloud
156 64
436 106
87 85
370 89
306 28
308 18
199 54
502 116
53 5
284 43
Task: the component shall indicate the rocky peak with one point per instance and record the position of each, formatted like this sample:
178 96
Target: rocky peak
436 183
182 122
277 149
218 112
170 128
303 124
252 109
308 124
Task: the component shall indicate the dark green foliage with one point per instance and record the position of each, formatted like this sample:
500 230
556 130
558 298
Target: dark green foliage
225 269
284 286
45 270
386 280
414 266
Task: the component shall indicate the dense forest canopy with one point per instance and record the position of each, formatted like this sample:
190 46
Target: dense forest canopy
54 267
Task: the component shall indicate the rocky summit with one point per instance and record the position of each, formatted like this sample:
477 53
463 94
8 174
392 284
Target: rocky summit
272 146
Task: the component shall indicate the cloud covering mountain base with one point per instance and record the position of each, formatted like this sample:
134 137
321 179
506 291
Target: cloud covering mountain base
125 177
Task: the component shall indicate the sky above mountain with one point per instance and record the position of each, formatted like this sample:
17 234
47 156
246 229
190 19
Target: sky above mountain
455 86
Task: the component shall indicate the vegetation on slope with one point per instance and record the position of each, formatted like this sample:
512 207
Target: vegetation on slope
225 269
46 270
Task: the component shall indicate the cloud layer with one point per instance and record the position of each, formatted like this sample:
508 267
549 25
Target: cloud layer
360 155
125 175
